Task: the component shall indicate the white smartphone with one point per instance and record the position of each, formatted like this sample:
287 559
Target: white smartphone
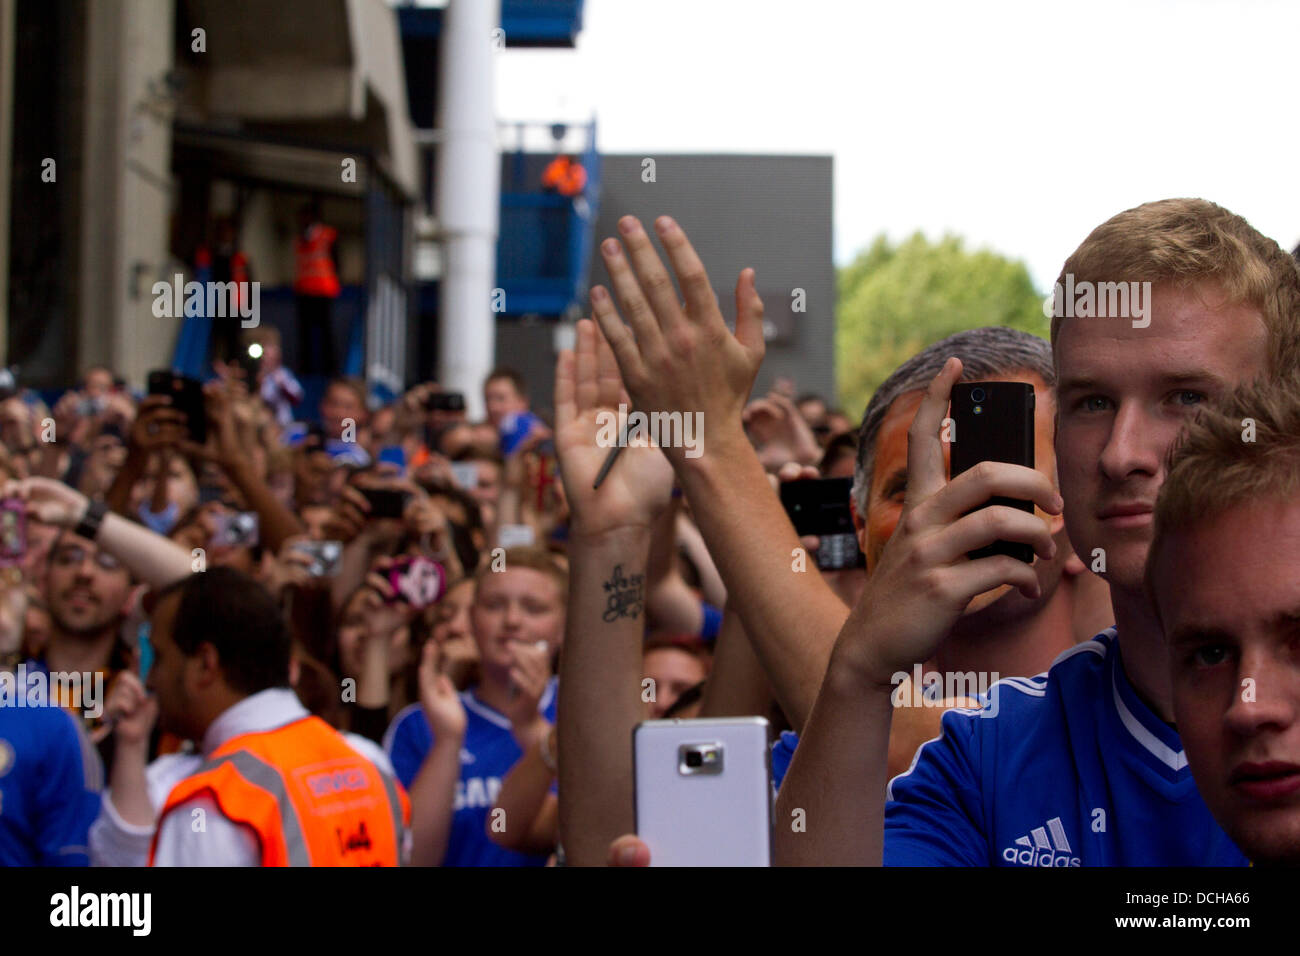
703 791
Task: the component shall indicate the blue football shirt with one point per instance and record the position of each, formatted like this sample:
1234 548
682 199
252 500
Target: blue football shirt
1069 768
487 754
49 782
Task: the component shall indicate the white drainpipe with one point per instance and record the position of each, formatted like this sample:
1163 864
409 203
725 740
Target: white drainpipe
467 198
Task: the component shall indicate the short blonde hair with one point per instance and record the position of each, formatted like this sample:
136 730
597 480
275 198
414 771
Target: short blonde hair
1191 241
538 559
1243 448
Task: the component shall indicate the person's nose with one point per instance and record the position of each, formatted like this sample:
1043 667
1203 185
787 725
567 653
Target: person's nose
1133 446
1262 697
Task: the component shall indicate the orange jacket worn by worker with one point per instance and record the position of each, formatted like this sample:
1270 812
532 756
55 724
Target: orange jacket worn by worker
316 275
310 798
564 176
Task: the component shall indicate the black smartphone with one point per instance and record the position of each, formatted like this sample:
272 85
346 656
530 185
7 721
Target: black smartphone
386 502
820 506
187 397
994 421
445 402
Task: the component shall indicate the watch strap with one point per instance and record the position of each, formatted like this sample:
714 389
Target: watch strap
88 527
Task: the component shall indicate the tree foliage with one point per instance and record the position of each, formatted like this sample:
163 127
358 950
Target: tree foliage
894 300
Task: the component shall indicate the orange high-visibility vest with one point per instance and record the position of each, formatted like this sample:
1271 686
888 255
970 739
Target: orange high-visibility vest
311 799
238 272
316 274
564 176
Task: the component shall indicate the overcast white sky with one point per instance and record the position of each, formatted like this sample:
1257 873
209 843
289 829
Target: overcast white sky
1019 125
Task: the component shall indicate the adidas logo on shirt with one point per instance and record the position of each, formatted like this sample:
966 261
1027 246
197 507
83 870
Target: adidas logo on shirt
1037 849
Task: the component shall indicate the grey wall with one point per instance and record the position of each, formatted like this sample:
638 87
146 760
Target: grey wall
769 212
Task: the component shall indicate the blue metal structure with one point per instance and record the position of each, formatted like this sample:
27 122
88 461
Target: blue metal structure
542 242
543 238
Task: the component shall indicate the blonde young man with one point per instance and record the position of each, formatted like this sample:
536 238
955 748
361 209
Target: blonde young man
1222 575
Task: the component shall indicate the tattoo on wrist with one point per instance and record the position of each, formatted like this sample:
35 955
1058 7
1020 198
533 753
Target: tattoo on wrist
625 596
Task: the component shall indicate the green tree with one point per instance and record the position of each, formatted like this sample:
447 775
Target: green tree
893 301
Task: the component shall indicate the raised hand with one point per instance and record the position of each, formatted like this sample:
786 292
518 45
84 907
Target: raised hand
674 356
157 425
438 696
528 676
130 710
924 580
780 432
588 392
48 501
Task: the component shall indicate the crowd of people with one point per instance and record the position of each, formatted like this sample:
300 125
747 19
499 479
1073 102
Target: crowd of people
393 635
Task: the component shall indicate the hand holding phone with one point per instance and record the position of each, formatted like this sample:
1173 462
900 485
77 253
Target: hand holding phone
386 502
820 507
417 580
703 791
13 531
325 556
187 398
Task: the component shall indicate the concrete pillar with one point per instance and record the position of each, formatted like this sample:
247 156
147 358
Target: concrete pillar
468 185
126 192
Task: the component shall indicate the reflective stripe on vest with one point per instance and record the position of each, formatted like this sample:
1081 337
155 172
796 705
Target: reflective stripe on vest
395 808
263 775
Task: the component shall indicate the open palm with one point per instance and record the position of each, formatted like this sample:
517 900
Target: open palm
588 391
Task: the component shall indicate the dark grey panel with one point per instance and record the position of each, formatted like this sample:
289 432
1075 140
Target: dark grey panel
769 212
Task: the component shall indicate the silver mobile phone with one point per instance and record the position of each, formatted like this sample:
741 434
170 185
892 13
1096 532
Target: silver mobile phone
703 791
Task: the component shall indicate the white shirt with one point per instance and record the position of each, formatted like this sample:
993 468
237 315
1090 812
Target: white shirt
206 838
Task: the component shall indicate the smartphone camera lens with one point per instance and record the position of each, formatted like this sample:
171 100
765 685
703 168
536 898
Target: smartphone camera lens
977 395
694 758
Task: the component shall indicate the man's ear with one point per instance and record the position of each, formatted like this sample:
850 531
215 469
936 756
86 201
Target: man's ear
209 664
131 605
859 524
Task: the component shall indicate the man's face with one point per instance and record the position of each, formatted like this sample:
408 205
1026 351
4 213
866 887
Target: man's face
170 676
315 519
519 604
1123 396
1229 598
99 382
487 490
501 399
339 403
674 672
87 588
15 424
889 473
451 620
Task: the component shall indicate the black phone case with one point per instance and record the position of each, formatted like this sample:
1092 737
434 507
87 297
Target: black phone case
1002 430
385 502
187 397
819 506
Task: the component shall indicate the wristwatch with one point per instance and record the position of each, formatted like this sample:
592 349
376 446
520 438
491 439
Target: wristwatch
88 527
